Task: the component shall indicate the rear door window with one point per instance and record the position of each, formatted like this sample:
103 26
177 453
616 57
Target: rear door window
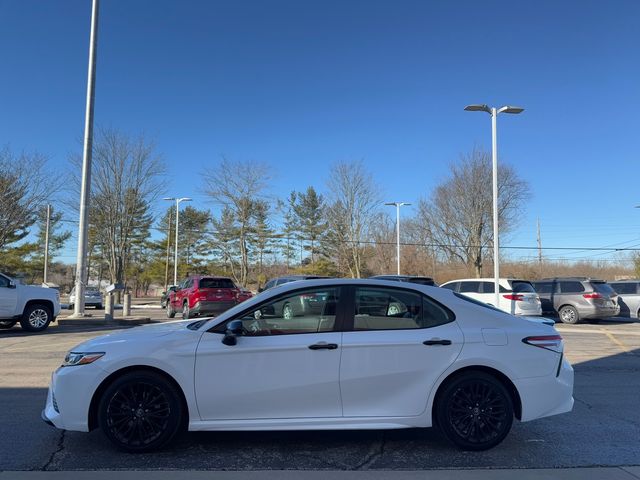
489 287
452 286
469 287
543 287
571 287
625 288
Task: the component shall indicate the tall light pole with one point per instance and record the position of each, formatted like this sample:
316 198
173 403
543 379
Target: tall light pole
83 227
494 154
178 201
397 205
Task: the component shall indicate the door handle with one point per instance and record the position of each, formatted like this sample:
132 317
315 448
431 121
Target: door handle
435 341
323 346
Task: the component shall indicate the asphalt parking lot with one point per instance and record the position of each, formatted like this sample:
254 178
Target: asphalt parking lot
602 430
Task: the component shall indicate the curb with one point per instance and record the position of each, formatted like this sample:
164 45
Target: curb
101 321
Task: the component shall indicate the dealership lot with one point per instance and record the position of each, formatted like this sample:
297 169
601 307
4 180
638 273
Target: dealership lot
601 431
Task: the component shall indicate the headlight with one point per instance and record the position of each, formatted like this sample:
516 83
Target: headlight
81 358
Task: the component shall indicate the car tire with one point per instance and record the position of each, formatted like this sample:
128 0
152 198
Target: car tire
36 318
6 324
185 311
464 406
140 412
287 312
569 314
170 311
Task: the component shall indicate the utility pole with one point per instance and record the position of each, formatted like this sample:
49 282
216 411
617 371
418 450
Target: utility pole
539 244
85 188
166 270
46 246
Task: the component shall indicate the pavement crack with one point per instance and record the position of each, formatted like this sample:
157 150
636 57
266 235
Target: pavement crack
375 452
54 454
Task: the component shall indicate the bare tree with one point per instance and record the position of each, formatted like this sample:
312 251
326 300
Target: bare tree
458 216
238 186
25 186
353 203
125 182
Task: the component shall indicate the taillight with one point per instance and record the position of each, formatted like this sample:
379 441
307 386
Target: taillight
514 296
592 295
548 342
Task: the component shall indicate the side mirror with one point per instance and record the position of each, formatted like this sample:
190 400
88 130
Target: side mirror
234 328
11 285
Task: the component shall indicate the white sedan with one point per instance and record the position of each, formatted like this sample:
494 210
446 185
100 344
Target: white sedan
356 354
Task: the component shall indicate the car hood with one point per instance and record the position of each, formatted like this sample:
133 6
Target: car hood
141 333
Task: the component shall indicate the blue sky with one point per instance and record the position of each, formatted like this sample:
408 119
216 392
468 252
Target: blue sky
303 84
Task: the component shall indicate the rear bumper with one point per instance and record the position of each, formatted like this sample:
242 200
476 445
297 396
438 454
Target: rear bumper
212 308
546 396
598 312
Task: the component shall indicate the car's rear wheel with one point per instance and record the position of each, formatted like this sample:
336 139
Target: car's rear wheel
170 311
4 324
474 411
569 314
36 318
140 412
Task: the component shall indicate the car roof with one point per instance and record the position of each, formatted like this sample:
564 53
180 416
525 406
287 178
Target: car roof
575 279
488 279
400 276
628 280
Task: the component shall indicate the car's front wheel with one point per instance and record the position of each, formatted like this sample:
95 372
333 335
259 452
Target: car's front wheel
140 412
569 314
474 411
170 311
36 318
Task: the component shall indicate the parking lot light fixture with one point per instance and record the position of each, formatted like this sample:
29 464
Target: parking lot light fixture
494 155
397 205
175 263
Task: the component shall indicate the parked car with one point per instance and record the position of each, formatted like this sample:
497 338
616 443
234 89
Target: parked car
628 297
34 307
204 295
92 298
439 359
274 282
165 296
407 278
517 296
577 298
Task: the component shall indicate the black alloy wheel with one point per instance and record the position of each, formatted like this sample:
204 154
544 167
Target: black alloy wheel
475 411
140 412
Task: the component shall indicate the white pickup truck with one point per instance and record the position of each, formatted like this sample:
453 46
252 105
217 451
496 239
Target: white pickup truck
34 307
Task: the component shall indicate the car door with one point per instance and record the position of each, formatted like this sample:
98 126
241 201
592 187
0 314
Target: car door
8 298
279 368
546 294
397 342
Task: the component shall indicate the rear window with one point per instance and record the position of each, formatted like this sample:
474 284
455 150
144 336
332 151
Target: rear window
603 288
216 283
571 287
522 287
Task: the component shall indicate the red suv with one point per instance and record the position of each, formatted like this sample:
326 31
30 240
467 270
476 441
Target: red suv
205 295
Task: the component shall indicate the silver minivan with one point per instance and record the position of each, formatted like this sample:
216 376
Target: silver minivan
628 297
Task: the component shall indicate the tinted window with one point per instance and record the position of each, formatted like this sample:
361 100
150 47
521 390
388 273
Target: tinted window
4 281
270 284
522 287
282 280
571 287
603 288
421 280
216 283
470 287
395 309
309 311
624 288
489 287
543 287
476 302
451 286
